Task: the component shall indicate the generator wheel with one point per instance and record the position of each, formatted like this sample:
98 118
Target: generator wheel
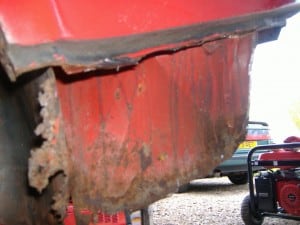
247 214
238 179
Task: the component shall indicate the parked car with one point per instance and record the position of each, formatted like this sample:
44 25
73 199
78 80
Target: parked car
236 167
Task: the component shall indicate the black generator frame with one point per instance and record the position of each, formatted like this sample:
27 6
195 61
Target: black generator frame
268 163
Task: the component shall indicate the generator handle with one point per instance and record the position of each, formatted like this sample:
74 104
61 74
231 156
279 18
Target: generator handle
253 204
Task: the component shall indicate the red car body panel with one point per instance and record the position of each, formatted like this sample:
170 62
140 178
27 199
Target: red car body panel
54 20
158 95
150 121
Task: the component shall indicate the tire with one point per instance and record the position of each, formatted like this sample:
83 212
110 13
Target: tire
247 215
238 179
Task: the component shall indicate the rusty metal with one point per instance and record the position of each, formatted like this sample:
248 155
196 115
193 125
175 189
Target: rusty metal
167 120
145 110
19 115
52 157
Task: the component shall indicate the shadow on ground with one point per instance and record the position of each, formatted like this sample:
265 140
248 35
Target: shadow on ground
214 184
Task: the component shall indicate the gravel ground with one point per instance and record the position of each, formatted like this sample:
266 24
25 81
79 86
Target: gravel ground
209 201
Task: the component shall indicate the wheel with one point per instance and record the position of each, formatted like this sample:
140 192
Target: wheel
238 179
247 215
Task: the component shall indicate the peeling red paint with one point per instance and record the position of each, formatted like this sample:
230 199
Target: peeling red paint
163 122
